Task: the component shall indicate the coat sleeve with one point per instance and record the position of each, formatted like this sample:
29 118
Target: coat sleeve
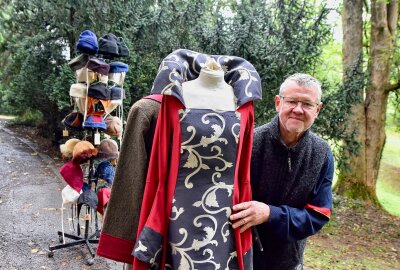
121 220
289 223
158 191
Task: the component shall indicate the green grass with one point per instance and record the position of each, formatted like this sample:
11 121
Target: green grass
388 184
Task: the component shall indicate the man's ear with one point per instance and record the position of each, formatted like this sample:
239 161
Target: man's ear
319 108
278 103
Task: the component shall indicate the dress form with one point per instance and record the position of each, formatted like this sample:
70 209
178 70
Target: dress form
209 90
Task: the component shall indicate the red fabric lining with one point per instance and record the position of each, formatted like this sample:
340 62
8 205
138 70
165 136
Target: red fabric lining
114 248
324 211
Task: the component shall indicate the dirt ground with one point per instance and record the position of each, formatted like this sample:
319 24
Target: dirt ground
358 236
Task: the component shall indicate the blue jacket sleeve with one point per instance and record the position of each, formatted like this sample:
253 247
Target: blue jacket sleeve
288 223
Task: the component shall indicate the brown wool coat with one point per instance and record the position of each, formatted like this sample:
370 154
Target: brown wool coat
123 210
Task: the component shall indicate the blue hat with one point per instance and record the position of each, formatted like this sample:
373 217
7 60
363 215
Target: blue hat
93 122
87 42
105 170
73 121
116 93
117 67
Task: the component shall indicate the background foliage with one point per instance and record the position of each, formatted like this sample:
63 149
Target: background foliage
278 37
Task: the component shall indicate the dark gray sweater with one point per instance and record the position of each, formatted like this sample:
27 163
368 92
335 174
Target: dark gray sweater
289 179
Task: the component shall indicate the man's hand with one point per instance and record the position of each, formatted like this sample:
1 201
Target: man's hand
249 214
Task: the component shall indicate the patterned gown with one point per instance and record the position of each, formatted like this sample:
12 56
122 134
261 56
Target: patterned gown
195 178
200 234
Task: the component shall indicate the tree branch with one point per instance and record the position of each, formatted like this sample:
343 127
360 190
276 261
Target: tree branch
392 87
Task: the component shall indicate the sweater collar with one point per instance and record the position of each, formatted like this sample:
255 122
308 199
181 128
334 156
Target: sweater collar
184 65
276 134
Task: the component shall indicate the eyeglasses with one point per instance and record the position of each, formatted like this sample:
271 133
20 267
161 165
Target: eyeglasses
291 103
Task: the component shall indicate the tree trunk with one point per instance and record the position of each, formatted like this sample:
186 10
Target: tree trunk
384 18
367 120
353 175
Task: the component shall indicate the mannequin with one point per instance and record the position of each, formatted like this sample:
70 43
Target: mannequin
199 165
209 90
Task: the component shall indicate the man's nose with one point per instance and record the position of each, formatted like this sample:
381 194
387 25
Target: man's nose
298 108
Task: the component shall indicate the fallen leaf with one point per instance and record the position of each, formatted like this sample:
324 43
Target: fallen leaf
34 250
34 154
25 173
78 258
43 267
49 209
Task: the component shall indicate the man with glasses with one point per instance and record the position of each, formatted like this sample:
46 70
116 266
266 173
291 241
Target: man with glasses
291 177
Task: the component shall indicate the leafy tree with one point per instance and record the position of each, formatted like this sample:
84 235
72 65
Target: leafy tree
367 122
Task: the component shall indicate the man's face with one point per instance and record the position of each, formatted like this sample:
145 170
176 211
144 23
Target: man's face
296 117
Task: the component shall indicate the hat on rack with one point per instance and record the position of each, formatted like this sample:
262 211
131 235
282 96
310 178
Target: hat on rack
123 50
88 197
87 42
79 62
94 121
67 148
103 196
116 93
98 65
117 67
83 151
73 175
114 126
117 78
99 91
106 171
73 121
69 195
78 92
108 46
108 149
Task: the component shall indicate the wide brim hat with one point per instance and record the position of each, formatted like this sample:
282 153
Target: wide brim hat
87 43
99 91
83 151
114 126
78 62
108 46
73 121
108 149
94 122
67 148
98 65
118 67
73 175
